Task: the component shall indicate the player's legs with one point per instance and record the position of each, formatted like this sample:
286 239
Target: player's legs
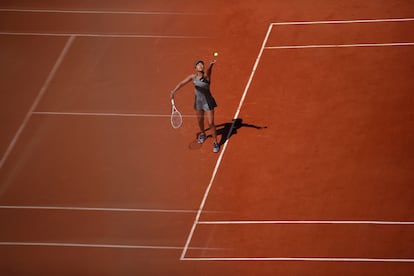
200 120
210 118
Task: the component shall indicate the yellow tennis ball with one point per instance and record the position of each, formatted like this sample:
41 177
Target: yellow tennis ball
215 54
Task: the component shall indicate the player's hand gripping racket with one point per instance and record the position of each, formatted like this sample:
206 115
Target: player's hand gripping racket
176 118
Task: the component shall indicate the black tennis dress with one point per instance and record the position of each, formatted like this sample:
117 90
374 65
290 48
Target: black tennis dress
203 98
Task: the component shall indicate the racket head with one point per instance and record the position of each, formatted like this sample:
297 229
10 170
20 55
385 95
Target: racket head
176 117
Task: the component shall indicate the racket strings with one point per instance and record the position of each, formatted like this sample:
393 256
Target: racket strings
176 119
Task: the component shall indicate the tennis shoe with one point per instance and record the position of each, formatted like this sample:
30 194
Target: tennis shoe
201 138
216 147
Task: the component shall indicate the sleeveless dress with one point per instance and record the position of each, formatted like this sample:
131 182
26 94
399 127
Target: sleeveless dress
203 98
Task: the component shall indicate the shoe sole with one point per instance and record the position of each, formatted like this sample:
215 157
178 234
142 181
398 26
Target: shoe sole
215 150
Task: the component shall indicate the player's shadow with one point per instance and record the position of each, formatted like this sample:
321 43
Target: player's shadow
227 130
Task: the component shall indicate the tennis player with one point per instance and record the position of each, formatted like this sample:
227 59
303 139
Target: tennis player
204 102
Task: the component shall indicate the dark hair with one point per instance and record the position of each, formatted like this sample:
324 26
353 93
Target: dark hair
199 61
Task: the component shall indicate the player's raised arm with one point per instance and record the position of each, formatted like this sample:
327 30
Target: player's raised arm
209 69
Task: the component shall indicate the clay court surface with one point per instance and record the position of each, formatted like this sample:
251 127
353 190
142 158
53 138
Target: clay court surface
316 122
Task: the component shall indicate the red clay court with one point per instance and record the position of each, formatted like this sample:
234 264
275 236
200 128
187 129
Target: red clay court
315 114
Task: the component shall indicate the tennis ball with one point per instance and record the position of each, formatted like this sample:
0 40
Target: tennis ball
215 54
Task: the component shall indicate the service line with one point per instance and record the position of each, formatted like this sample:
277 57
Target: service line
108 12
99 209
117 246
103 35
106 114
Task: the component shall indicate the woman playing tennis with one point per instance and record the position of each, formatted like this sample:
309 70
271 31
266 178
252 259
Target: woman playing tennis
204 101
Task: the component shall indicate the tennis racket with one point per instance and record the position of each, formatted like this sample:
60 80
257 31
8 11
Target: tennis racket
176 118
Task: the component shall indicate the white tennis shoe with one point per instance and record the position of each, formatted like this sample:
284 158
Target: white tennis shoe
216 147
201 138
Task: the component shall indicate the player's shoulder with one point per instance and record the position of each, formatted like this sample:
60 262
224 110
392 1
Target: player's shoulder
207 77
189 78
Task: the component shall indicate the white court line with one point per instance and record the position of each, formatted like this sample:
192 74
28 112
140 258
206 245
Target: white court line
308 222
106 114
101 12
341 45
372 260
121 246
103 35
203 201
343 21
70 208
37 100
